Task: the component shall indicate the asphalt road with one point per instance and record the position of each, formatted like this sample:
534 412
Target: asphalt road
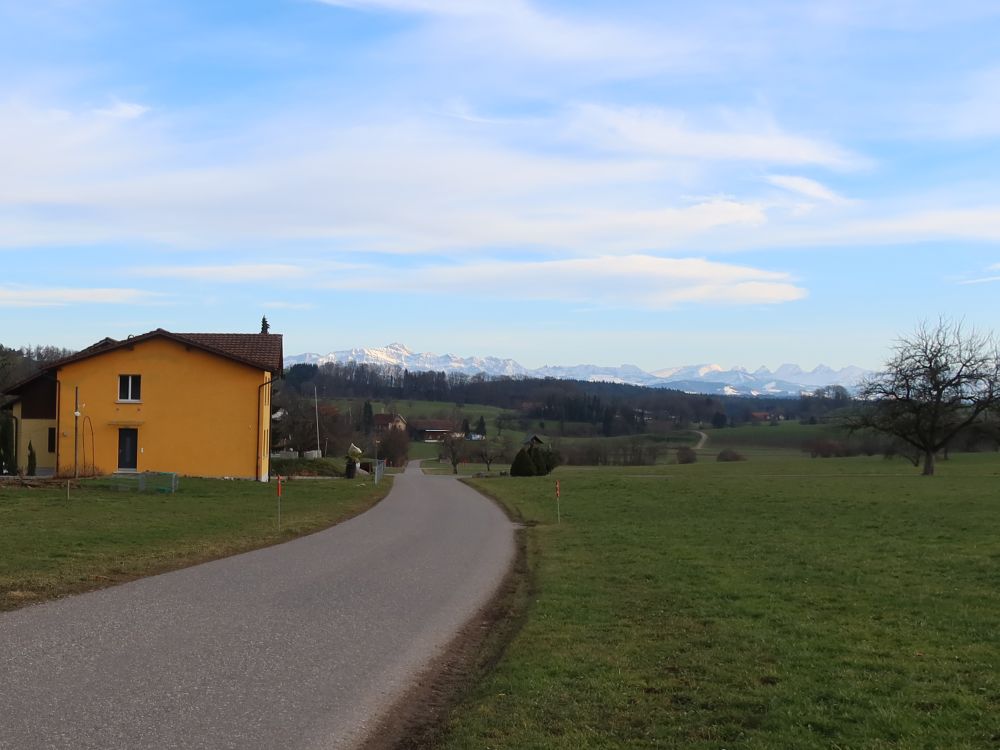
302 645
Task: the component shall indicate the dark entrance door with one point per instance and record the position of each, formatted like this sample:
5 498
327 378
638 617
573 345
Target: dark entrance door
128 449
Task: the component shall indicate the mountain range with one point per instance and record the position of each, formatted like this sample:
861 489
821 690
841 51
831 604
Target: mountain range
788 379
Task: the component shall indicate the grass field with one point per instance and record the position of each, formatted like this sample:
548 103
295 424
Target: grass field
790 603
50 546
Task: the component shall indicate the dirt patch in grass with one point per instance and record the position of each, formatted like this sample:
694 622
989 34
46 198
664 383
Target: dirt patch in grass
419 719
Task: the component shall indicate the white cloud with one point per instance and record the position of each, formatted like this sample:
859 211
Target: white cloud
123 110
24 296
658 132
805 186
425 185
413 186
517 31
226 273
630 281
985 279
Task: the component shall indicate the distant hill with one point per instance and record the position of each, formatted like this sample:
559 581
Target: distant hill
787 380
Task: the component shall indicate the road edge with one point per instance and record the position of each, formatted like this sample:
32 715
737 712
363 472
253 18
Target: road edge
419 718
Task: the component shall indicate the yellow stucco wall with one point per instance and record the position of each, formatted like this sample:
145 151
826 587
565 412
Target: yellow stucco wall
35 431
200 414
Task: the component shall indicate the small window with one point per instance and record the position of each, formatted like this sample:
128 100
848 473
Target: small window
52 440
129 388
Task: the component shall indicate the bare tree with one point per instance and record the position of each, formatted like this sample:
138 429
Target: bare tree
455 448
939 381
497 449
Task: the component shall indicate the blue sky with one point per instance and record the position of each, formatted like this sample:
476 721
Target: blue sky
656 183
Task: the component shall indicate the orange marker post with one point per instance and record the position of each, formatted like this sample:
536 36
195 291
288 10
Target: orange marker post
558 510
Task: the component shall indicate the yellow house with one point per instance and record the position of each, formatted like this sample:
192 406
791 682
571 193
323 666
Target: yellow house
192 403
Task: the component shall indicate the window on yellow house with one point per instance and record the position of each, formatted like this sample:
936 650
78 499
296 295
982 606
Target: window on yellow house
129 388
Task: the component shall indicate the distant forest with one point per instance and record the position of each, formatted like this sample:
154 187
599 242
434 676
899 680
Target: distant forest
621 409
19 364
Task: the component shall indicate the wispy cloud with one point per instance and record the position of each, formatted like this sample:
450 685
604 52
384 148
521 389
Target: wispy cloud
522 31
985 279
755 138
634 282
24 296
806 187
236 273
123 110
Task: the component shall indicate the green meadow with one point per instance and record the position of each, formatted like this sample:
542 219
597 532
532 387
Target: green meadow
780 603
51 546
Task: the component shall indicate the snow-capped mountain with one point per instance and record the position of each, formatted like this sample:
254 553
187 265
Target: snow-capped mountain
788 379
400 356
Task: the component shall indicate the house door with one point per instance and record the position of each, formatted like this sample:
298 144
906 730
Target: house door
128 449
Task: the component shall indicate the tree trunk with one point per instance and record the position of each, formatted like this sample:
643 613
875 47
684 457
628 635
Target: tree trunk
928 463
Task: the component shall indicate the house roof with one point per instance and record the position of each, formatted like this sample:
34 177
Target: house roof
259 350
384 420
440 425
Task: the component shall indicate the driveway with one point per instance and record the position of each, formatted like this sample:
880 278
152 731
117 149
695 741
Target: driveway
301 645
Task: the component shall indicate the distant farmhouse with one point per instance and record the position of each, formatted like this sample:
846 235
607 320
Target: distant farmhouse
191 403
433 430
386 422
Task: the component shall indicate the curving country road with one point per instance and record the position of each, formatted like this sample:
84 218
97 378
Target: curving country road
301 645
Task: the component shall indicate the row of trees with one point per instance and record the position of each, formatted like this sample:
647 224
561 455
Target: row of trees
19 364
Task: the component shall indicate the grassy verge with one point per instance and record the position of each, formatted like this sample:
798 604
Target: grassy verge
465 470
52 546
805 603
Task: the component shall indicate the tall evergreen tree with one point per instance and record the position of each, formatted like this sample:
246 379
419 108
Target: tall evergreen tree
481 426
368 418
265 327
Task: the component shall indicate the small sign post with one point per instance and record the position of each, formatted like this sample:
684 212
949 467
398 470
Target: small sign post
558 510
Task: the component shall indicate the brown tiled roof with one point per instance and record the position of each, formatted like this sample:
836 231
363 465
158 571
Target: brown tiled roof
433 424
263 349
384 420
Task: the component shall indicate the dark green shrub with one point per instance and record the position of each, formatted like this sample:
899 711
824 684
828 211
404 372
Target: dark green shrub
304 467
686 455
523 465
730 455
32 460
538 459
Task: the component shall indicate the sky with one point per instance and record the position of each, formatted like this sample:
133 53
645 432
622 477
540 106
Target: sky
656 183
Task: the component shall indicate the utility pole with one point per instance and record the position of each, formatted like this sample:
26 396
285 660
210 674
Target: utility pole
316 404
76 432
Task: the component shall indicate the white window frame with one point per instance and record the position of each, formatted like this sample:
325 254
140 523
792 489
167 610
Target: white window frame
133 380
